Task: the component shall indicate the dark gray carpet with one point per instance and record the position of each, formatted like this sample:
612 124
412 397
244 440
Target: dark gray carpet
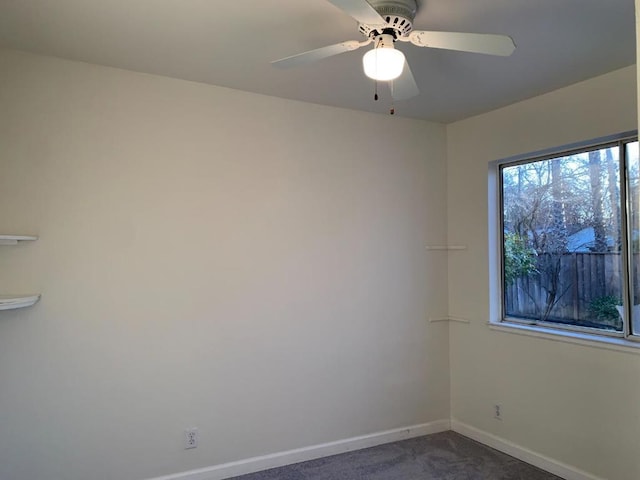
441 456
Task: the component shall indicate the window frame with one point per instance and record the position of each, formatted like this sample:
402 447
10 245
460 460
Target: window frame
498 318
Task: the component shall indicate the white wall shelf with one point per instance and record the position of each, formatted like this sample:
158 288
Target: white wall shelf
10 302
450 319
446 247
14 239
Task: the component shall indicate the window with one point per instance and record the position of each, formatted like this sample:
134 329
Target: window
570 246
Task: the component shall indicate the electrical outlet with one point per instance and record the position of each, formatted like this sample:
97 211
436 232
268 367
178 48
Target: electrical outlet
497 411
190 438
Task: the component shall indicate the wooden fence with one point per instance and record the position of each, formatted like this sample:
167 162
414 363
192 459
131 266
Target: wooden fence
578 279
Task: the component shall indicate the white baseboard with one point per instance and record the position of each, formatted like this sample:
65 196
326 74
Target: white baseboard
545 463
255 464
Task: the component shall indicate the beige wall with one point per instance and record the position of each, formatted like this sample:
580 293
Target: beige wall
256 267
247 265
575 404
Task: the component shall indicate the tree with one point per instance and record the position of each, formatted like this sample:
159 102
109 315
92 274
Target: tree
614 198
595 176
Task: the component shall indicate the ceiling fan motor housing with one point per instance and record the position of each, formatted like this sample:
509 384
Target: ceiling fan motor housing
398 15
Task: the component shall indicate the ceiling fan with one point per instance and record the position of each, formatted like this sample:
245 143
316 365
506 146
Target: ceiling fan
384 22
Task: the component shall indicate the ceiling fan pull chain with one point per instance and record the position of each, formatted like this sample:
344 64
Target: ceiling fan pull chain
392 110
375 95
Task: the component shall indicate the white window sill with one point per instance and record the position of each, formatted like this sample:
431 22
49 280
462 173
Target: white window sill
578 338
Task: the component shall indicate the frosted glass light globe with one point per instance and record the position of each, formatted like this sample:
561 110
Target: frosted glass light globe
383 64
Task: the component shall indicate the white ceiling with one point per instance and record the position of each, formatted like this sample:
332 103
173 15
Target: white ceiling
230 43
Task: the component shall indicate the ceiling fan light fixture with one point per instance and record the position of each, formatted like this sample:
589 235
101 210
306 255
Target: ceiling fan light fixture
383 64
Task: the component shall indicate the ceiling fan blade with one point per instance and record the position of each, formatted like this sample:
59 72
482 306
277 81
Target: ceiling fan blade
318 54
404 87
464 42
361 10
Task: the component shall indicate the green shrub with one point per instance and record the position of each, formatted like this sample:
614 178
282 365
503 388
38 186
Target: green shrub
519 259
603 309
